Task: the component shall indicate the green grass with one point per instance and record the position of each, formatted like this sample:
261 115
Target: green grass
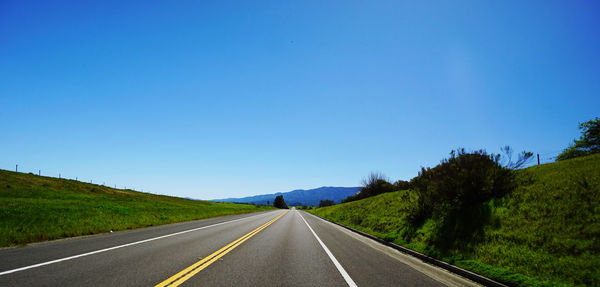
36 208
545 233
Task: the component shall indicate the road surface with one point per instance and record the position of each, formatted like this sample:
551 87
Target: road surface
275 248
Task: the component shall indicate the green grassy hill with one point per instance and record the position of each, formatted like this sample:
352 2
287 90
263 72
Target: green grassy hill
544 233
36 208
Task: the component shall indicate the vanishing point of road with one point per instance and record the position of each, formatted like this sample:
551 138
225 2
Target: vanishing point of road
274 248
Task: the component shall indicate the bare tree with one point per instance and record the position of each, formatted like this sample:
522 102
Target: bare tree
522 158
373 178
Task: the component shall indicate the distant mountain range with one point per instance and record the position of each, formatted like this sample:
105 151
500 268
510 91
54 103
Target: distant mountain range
299 197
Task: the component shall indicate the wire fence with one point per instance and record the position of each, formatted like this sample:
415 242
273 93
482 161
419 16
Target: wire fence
59 175
542 158
549 157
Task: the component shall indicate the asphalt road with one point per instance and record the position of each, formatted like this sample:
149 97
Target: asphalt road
275 248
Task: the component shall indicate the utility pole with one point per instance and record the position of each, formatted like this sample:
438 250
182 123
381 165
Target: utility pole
538 156
17 168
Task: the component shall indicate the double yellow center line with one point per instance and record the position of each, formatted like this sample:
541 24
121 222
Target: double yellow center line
187 273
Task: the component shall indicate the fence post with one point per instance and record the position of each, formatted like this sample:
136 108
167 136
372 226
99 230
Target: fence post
16 168
39 172
538 155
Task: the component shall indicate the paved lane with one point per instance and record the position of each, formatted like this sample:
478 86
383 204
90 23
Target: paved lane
144 264
283 253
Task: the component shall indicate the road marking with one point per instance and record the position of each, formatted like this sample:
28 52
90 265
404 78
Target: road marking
188 272
337 264
120 246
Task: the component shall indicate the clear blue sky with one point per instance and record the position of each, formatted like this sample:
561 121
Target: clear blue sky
234 98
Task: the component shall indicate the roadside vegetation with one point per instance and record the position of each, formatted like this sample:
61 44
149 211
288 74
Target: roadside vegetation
538 226
37 208
376 183
588 143
305 207
326 202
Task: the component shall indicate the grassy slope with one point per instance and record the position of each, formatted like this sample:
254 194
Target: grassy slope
36 208
546 233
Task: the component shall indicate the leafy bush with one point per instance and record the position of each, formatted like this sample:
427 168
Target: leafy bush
402 185
374 184
454 192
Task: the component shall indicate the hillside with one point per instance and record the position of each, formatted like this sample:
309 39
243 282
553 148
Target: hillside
545 233
36 208
310 197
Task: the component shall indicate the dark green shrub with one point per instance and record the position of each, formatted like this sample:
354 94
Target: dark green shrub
402 185
373 185
454 192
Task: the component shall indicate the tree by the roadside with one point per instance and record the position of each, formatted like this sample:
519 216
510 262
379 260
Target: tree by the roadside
588 143
507 161
326 202
279 202
376 183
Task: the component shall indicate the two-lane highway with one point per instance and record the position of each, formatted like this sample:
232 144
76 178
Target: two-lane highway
276 248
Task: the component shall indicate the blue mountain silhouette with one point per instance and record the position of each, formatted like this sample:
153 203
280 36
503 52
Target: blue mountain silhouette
309 197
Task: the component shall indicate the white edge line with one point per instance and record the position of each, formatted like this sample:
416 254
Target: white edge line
335 262
119 246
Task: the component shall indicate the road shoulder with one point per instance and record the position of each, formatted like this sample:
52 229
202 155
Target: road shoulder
434 272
